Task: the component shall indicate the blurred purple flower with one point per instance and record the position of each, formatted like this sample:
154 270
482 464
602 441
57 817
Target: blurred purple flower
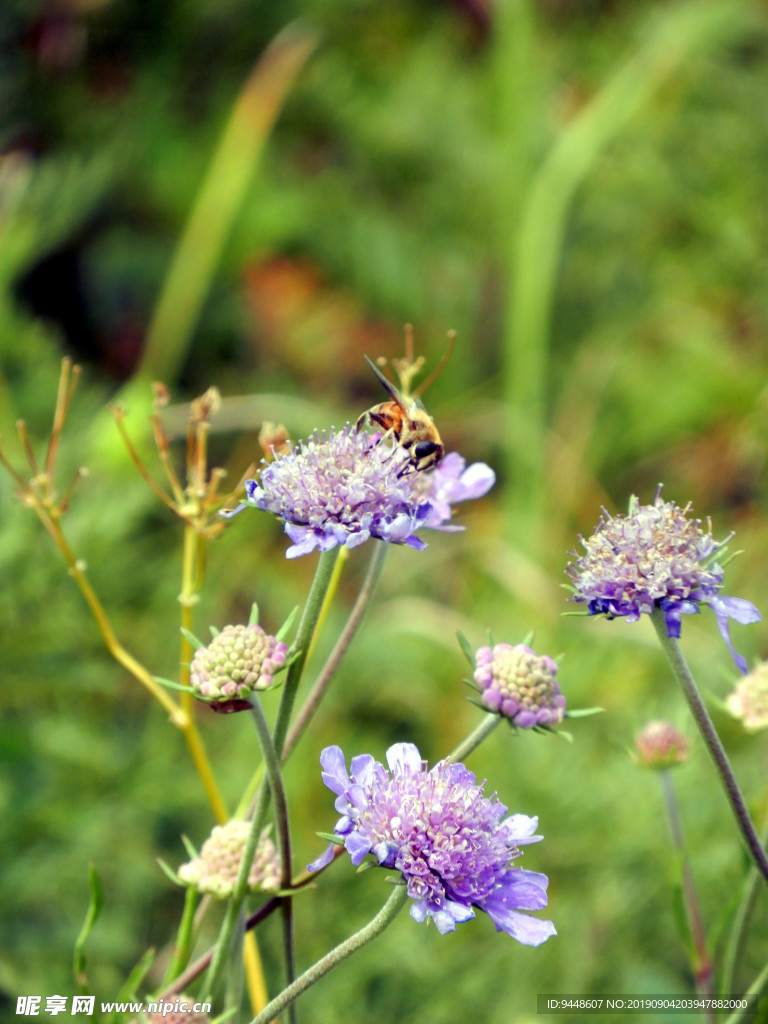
446 839
656 557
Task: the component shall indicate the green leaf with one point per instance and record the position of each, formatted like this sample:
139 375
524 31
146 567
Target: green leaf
135 978
466 647
189 847
170 685
367 864
288 626
583 712
331 837
192 638
94 909
171 873
253 618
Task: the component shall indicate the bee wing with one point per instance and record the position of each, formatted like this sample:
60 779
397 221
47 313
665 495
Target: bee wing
388 386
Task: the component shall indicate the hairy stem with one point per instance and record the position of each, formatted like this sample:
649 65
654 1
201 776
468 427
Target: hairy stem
375 927
475 738
683 675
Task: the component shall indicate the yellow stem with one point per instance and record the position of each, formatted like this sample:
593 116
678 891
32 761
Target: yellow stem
190 584
330 594
177 715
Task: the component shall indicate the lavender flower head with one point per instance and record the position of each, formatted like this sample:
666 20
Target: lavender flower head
447 840
347 486
519 684
656 557
340 488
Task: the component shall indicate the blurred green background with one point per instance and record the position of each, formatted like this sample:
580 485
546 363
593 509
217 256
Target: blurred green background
256 195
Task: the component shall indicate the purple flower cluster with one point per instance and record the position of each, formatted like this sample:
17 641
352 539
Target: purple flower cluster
447 840
656 557
347 486
520 684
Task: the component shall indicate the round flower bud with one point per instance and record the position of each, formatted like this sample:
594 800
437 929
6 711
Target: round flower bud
240 659
749 701
661 745
520 684
215 870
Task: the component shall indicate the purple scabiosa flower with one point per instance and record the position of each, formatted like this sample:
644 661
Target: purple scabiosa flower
215 870
238 660
341 488
520 684
656 557
450 482
749 701
660 745
447 840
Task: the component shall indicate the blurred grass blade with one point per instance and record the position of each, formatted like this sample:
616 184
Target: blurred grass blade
675 34
94 909
218 200
134 980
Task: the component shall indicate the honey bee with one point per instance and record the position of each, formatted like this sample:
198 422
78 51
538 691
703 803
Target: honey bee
405 418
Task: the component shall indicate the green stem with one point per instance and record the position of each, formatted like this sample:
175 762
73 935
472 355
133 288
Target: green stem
183 938
475 738
359 608
740 925
306 629
683 675
753 993
275 782
701 962
226 937
382 920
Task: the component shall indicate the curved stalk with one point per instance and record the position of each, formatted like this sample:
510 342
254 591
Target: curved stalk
475 738
375 927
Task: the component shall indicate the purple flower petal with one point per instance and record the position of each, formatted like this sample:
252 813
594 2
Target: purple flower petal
323 860
740 610
409 818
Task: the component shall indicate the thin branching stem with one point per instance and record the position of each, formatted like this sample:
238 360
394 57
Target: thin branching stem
701 961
